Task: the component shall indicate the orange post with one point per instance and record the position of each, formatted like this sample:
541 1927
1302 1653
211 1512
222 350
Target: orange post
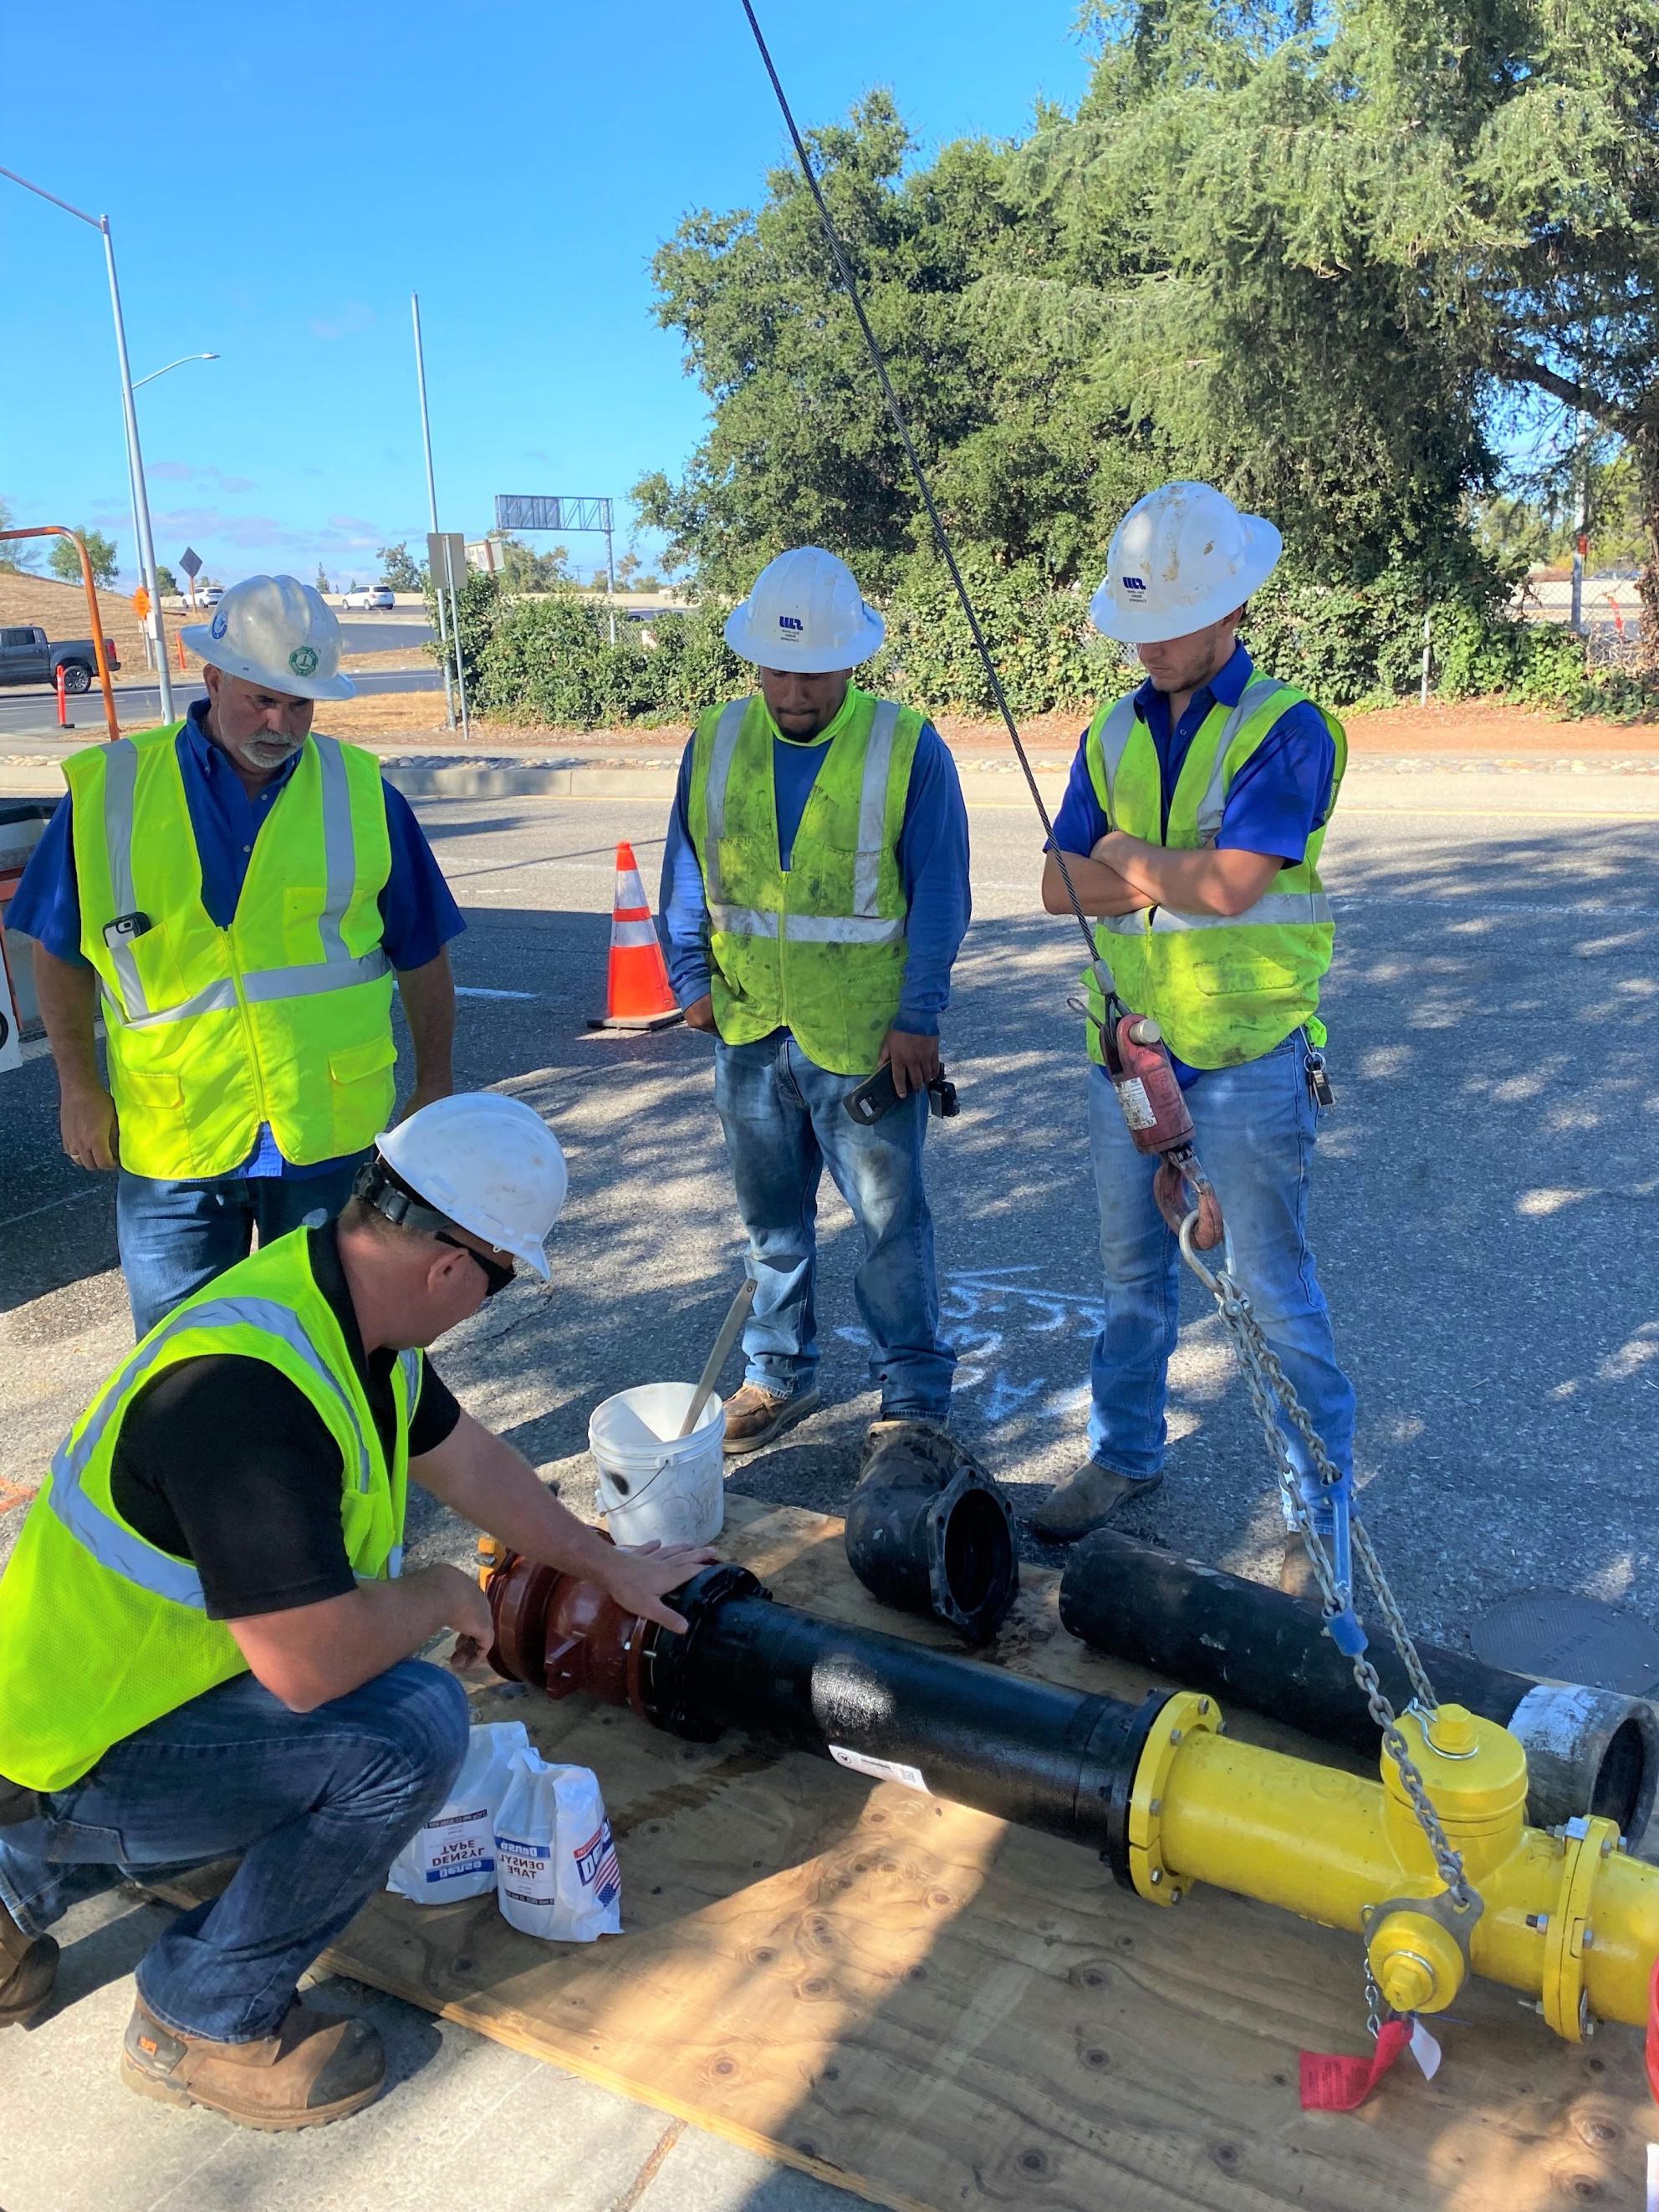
63 721
59 529
178 639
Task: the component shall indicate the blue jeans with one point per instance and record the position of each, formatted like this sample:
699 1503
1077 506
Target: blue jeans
175 1236
785 1119
318 1804
1255 1128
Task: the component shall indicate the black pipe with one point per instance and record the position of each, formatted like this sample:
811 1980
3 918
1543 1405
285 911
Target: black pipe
928 1531
1046 1758
1587 1750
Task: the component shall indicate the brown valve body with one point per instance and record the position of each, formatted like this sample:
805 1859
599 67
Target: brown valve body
560 1634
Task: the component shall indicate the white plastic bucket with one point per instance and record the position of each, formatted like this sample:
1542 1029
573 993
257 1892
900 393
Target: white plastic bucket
653 1482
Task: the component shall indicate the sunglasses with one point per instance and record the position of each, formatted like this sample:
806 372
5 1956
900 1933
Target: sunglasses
498 1273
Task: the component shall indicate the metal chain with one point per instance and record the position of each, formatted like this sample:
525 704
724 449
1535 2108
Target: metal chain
1270 1388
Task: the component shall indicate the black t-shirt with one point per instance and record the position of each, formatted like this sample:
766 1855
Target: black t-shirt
222 1461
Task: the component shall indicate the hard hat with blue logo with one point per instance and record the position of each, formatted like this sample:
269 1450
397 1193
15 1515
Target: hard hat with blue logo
1182 558
806 615
278 633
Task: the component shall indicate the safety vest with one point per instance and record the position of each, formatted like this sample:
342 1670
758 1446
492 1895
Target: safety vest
284 1017
819 948
1225 988
100 1632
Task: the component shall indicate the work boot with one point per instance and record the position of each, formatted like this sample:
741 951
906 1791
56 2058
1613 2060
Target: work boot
755 1416
1086 1501
319 2066
28 1967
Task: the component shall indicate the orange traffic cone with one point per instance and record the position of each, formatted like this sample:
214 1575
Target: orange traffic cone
639 994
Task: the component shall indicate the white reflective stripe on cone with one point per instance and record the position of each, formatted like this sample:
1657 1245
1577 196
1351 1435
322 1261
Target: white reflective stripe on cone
632 934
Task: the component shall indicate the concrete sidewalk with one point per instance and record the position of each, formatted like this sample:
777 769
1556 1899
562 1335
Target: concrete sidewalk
463 2123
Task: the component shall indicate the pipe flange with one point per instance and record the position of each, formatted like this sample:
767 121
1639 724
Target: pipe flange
1585 1842
1184 1715
662 1655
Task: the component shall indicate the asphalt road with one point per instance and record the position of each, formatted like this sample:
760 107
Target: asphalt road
34 713
1481 1206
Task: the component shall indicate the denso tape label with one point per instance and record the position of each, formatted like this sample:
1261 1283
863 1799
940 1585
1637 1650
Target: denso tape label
879 1770
458 1843
1137 1106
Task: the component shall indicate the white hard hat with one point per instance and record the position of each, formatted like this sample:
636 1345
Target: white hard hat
277 632
487 1163
1181 559
806 615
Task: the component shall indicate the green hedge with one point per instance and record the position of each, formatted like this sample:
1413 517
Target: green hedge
549 659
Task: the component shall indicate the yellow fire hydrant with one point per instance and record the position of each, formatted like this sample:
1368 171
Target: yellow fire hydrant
1569 1916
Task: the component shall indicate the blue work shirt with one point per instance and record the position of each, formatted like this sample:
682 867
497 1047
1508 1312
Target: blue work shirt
417 915
933 860
1280 796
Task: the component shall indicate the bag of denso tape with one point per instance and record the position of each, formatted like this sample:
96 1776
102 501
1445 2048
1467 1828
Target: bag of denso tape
556 1866
454 1854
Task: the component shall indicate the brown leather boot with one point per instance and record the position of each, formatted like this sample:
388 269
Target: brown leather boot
319 2066
755 1416
1296 1574
1086 1501
28 1967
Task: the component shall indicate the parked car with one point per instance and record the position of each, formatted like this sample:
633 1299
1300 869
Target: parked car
28 656
375 595
212 595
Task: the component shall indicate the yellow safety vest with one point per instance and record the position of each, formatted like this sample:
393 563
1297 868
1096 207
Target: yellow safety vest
1225 988
819 948
100 1632
284 1017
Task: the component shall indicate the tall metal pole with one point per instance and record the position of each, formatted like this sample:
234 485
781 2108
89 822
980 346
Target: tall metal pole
135 457
432 502
141 495
610 569
1580 522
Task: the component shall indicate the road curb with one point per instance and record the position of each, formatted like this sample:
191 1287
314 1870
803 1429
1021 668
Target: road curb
1414 785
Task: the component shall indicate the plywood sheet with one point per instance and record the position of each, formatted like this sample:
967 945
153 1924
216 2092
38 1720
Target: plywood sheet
939 2012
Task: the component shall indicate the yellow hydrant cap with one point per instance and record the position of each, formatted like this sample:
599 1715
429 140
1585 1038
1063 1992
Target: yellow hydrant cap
1475 1771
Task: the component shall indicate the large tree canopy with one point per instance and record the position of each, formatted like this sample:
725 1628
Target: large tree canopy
1314 253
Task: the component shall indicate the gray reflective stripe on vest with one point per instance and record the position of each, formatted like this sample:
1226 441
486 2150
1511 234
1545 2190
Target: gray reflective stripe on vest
120 784
806 928
1115 733
1278 909
260 986
339 848
1252 699
111 1543
410 1362
727 730
872 810
214 999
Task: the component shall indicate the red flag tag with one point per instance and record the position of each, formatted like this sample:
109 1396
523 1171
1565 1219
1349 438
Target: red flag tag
1332 2083
1652 2046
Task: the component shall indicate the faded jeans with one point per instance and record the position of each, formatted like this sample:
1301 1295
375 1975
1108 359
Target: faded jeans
785 1121
1255 1128
318 1804
174 1237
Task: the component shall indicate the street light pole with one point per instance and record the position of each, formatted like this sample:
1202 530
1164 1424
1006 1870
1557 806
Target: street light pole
435 581
179 363
135 456
141 492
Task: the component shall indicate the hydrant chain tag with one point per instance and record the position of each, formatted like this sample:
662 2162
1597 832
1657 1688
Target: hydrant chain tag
1334 2083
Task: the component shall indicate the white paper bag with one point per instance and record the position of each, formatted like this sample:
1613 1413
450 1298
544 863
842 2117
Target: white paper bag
556 1866
454 1854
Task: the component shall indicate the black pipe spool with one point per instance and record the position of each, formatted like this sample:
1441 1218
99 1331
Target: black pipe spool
928 1531
1587 1750
1046 1758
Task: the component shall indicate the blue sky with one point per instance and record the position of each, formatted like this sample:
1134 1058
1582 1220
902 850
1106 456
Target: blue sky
280 177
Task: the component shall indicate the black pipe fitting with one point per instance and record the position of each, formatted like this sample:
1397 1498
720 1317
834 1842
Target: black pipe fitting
1587 1750
928 1531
